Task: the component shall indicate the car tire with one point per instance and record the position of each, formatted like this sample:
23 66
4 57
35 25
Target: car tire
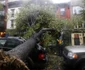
82 66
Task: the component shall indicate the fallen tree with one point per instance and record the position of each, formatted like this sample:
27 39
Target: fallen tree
14 59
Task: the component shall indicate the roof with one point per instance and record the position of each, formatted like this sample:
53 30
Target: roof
76 48
11 37
63 5
14 4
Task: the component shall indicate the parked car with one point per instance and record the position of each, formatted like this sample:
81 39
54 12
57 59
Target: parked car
7 43
37 57
74 56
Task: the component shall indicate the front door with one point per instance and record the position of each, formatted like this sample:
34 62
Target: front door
76 41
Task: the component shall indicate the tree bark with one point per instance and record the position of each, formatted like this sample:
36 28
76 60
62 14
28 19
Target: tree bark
23 50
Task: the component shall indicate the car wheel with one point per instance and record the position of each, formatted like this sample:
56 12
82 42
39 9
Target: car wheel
82 66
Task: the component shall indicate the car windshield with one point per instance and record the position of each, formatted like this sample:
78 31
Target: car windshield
2 42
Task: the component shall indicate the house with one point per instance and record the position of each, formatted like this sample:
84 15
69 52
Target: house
13 9
63 10
76 7
77 37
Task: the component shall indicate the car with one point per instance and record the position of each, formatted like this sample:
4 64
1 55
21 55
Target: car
74 56
7 43
37 58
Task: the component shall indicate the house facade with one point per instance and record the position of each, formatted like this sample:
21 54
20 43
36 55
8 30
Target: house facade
77 38
13 10
76 7
63 10
69 10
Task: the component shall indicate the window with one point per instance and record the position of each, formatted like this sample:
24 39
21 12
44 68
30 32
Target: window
2 42
77 10
12 23
80 25
12 10
84 25
12 43
75 27
62 11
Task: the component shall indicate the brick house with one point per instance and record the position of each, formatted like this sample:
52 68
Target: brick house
63 10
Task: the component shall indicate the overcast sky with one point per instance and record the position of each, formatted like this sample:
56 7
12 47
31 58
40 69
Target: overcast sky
60 1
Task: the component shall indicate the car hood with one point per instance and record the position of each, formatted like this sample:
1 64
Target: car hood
76 49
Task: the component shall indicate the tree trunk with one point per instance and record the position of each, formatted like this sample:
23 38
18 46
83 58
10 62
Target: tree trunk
24 49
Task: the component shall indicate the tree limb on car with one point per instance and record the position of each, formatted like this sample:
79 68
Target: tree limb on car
14 59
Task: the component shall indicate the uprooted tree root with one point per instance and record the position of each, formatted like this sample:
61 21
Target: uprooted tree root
8 62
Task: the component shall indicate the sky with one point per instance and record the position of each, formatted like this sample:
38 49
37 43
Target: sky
60 1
